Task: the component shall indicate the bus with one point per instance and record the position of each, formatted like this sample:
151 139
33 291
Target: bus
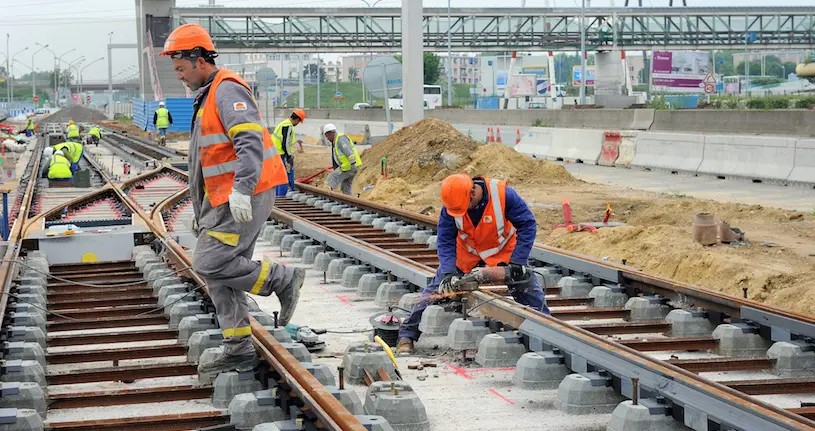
432 95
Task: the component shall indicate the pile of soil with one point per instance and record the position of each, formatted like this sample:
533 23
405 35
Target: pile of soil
78 113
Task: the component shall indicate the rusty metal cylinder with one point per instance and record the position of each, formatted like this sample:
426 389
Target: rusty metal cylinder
705 230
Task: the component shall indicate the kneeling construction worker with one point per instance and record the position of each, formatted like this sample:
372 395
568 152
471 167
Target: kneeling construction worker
59 168
344 158
95 134
73 151
283 137
483 222
72 132
233 171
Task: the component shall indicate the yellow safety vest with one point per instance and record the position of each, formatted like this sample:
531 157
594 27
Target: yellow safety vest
72 150
95 132
30 124
345 162
277 136
73 131
60 168
162 118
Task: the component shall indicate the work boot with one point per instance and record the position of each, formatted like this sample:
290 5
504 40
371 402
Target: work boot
289 295
224 363
405 346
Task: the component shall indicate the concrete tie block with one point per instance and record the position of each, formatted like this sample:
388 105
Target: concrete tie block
207 356
398 404
288 240
357 215
336 267
328 205
347 211
323 259
200 341
740 341
192 324
321 372
608 297
24 351
365 356
579 395
409 300
183 309
280 334
21 307
381 222
31 334
299 246
268 231
628 417
647 309
143 260
348 398
431 242
36 302
539 370
28 319
793 359
352 274
301 197
176 298
250 409
24 395
273 426
167 281
406 231
24 371
374 423
390 293
153 266
264 318
369 284
573 287
368 218
133 253
551 276
337 209
40 265
686 323
228 385
499 350
173 289
277 236
465 334
311 252
157 275
420 236
27 420
319 203
32 290
436 320
35 279
299 351
310 201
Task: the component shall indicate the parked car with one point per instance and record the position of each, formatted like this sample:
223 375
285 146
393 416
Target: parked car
360 106
533 105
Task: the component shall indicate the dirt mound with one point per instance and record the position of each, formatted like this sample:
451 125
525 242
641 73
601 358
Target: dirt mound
502 162
79 114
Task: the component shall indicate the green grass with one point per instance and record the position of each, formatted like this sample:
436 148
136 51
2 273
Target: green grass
353 92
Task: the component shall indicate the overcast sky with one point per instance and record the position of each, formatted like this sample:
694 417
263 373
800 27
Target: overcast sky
84 24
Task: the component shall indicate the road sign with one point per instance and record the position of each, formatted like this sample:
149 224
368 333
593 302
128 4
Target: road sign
380 87
338 94
265 77
36 98
709 88
285 93
340 98
710 78
88 98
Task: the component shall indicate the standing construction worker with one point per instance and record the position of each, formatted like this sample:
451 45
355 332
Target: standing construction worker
283 137
162 120
344 158
59 168
233 170
29 126
72 132
483 223
95 135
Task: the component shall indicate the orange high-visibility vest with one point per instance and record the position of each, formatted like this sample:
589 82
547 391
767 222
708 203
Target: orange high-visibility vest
493 240
218 158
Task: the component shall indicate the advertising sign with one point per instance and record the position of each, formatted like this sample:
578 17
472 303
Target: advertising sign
680 71
522 85
576 75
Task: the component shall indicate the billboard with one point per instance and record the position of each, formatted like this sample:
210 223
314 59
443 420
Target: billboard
522 86
590 71
542 71
680 71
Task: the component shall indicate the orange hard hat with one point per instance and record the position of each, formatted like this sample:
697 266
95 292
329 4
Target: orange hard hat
301 114
455 194
186 38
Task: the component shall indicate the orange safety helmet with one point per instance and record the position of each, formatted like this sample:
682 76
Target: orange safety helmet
455 194
186 38
301 114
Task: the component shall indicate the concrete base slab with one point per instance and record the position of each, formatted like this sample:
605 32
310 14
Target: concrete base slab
539 370
298 350
409 300
436 320
24 371
192 324
245 411
321 372
336 267
352 274
323 259
576 395
299 246
431 242
369 283
792 359
494 350
24 395
208 355
232 383
348 398
573 287
31 334
359 357
390 293
607 297
647 309
25 351
27 420
310 252
735 341
398 404
202 340
628 417
686 323
465 334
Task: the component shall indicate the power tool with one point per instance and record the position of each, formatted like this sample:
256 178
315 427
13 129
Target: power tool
513 276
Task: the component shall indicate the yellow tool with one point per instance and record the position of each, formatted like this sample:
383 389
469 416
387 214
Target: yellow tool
388 350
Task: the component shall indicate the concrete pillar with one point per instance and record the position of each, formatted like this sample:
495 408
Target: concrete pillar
336 268
608 297
192 324
27 420
369 283
390 293
250 409
573 287
298 350
321 372
412 63
24 395
466 334
352 274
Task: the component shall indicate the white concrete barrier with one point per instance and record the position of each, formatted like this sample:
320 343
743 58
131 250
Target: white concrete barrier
576 145
536 142
803 172
673 152
758 158
627 149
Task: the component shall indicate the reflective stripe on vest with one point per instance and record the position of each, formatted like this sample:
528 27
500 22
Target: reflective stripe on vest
162 118
232 166
495 200
342 159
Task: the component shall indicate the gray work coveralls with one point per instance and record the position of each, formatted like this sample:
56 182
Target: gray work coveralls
338 177
225 262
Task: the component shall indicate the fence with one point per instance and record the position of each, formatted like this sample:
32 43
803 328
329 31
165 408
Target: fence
180 109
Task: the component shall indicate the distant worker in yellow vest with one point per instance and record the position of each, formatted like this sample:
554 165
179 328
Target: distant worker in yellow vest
29 126
344 158
59 168
95 134
283 138
72 132
162 120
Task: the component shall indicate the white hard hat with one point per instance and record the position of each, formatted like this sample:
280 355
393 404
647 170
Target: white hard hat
160 103
59 153
329 128
48 151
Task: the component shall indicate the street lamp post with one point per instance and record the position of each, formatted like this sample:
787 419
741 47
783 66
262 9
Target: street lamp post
83 69
8 85
583 53
370 50
57 59
72 65
449 56
34 78
11 74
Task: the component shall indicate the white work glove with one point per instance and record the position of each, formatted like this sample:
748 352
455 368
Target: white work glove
241 207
